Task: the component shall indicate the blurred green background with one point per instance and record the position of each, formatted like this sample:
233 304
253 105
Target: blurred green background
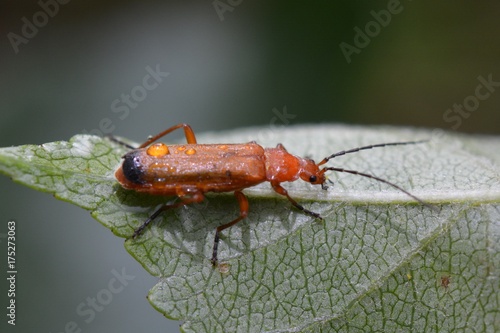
230 64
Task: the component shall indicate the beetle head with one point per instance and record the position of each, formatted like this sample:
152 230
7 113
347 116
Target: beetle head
311 173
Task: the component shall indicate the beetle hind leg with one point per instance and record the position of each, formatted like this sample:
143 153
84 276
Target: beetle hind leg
196 197
118 141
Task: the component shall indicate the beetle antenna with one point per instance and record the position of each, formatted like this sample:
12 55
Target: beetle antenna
354 150
382 181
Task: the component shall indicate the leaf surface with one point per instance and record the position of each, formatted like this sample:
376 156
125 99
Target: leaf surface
378 261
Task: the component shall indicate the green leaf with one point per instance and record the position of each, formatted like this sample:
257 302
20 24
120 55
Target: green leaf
378 262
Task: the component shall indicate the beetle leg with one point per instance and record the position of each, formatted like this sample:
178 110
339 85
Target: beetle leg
118 141
281 190
188 132
195 197
243 201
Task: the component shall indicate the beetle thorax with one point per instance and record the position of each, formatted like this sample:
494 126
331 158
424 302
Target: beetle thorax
281 166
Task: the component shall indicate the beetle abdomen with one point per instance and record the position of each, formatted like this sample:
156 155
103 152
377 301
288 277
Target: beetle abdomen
132 168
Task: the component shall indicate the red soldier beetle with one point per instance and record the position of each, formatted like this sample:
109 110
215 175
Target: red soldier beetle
190 170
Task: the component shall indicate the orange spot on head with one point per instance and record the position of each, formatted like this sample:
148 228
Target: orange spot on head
157 150
181 148
223 147
190 151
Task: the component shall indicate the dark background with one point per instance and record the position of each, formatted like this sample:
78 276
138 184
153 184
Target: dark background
225 71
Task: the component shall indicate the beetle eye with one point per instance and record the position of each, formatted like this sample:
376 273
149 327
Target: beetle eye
312 179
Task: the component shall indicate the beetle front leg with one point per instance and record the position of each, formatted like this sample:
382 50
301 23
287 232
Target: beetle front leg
243 201
281 190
